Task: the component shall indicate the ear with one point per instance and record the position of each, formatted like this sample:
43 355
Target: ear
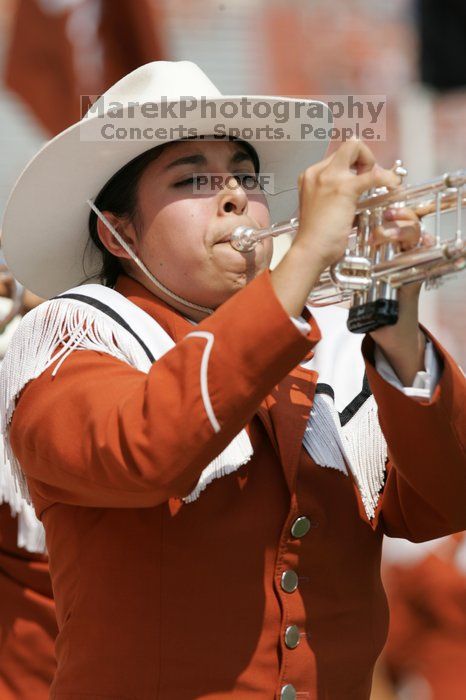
124 228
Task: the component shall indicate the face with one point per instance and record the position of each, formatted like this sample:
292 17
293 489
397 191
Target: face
180 229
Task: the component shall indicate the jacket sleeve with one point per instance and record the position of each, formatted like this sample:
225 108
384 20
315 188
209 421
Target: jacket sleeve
101 433
425 490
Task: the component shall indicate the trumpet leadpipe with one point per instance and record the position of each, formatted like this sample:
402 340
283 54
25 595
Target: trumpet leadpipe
245 238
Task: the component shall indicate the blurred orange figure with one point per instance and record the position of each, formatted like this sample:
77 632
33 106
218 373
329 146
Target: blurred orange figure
27 618
425 655
27 611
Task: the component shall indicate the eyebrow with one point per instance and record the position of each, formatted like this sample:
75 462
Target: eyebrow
198 159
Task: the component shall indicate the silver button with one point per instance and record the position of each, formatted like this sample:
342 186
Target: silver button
288 692
301 526
292 636
289 581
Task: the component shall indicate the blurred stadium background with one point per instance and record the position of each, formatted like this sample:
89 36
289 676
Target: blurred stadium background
411 51
52 51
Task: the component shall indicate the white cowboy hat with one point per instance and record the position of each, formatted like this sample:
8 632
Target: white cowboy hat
45 236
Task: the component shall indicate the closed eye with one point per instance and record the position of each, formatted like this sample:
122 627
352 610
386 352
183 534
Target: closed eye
248 180
188 181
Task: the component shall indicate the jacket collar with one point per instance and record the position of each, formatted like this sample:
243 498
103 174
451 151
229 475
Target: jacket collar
284 412
172 321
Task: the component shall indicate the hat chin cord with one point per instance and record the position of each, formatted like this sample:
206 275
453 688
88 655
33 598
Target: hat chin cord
141 265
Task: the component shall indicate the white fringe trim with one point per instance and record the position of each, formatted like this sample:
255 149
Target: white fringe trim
234 456
322 438
31 534
48 335
360 444
367 453
55 329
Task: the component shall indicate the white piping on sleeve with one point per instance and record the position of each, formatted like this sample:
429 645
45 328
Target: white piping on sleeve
209 337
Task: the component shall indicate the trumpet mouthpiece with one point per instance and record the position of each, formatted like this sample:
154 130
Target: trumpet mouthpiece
242 239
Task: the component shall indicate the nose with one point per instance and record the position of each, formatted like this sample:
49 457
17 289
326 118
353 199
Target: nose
232 198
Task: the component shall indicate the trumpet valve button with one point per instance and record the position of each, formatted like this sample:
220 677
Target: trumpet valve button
400 170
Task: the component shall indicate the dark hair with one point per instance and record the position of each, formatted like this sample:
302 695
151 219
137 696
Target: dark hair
119 195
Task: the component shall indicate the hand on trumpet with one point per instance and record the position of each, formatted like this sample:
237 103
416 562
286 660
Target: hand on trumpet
403 344
402 227
328 196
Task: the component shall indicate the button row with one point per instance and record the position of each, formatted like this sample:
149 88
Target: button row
289 581
292 636
300 526
288 692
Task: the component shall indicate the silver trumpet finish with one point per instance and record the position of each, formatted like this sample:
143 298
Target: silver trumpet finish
369 276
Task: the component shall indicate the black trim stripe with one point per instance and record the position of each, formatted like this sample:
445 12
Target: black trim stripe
113 314
325 389
354 405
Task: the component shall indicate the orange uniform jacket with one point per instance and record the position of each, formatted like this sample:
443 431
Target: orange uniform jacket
161 599
27 618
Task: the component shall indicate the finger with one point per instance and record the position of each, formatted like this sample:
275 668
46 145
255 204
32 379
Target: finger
409 235
323 163
354 154
427 239
406 236
381 235
376 177
401 213
316 168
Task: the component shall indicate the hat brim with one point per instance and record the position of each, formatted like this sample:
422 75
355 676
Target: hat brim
45 235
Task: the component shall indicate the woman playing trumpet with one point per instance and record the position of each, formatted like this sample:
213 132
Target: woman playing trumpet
216 467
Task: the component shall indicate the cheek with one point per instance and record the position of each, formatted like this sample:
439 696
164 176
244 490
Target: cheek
174 239
176 234
259 209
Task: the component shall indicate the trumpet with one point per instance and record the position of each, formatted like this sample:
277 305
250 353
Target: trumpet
368 275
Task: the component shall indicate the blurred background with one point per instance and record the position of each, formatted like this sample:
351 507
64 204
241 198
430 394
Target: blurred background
412 51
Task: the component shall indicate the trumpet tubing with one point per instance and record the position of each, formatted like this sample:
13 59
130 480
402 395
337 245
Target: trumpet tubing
369 276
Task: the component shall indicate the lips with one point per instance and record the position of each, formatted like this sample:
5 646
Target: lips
225 239
226 236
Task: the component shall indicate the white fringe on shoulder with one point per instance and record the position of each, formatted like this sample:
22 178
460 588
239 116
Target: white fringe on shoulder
31 534
48 335
55 329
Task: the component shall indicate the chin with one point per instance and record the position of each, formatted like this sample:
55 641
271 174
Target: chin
221 296
240 281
